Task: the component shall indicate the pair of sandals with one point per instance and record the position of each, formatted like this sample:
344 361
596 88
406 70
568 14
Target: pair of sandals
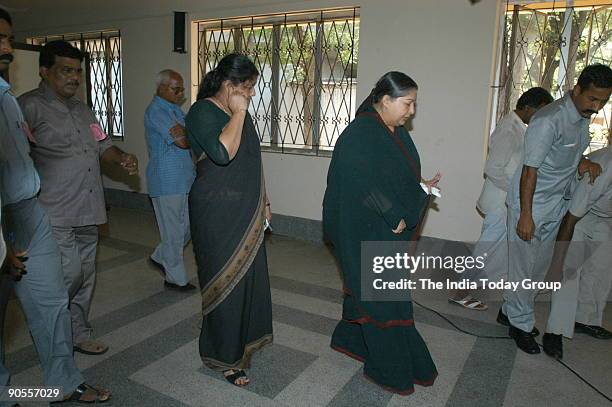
470 302
237 377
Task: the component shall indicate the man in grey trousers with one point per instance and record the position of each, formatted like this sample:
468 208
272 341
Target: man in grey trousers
579 304
68 144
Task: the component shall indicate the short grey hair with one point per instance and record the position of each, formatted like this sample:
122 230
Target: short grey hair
163 77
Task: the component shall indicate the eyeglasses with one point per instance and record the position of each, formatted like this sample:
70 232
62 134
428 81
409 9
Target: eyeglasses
177 89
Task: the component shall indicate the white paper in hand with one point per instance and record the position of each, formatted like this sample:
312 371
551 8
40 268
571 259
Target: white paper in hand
435 191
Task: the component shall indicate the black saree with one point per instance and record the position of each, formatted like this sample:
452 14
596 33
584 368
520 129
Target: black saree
226 209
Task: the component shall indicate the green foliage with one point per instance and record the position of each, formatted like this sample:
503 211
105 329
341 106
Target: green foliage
296 50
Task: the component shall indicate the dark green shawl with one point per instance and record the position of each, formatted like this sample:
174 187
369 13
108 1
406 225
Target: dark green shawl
372 183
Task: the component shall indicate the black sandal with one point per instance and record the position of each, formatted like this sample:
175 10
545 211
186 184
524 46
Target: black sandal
233 378
80 391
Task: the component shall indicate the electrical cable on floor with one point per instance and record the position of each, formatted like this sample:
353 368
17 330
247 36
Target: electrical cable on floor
507 337
458 328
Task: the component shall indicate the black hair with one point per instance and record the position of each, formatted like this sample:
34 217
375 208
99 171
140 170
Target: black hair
394 84
534 97
598 75
4 15
236 68
57 48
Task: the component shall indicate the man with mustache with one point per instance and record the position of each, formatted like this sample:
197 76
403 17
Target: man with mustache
556 138
170 173
68 145
33 258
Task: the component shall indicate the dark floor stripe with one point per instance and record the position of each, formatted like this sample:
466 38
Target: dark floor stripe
125 246
360 392
309 290
109 264
133 252
304 320
485 376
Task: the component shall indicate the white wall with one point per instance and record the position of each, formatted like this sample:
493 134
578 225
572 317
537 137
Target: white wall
23 72
445 45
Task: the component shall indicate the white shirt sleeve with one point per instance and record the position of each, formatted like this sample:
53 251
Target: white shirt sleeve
504 143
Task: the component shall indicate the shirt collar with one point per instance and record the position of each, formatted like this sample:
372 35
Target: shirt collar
517 119
4 85
574 115
164 102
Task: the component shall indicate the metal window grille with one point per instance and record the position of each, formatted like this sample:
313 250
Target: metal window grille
103 77
308 68
548 44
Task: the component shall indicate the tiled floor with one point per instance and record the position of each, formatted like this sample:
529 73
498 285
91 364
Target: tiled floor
153 358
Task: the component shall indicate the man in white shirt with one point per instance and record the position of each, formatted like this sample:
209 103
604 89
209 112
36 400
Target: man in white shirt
505 155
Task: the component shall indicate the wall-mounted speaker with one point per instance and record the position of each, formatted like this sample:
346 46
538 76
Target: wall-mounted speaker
179 32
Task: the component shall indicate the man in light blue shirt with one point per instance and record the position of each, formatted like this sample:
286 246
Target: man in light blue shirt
33 254
170 173
554 142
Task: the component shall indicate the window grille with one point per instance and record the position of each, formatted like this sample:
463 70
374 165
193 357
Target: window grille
308 69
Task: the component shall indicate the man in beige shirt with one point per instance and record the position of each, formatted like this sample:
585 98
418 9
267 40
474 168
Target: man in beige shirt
68 145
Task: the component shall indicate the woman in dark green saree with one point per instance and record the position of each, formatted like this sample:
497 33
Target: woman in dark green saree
374 194
227 208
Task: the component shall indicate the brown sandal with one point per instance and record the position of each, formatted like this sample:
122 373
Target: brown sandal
100 396
90 348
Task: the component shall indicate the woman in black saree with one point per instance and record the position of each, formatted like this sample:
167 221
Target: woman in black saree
374 194
227 208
